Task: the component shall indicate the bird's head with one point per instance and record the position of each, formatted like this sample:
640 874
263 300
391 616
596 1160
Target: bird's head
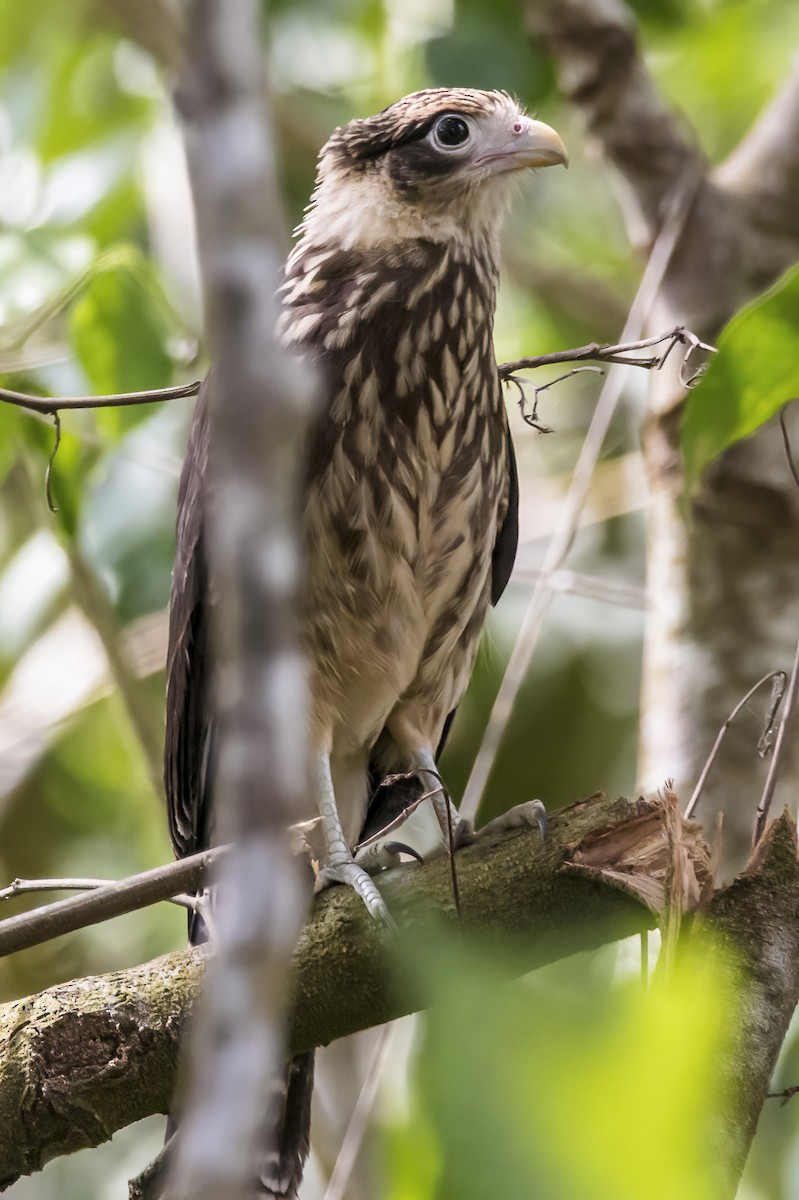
435 165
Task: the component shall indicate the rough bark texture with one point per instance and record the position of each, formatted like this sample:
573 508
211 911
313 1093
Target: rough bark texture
724 571
757 917
84 1059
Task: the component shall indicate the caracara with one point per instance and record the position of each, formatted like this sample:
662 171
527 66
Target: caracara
409 503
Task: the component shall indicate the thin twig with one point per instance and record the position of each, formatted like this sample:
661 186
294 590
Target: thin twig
793 686
785 1095
353 1137
780 680
779 751
531 416
590 587
48 474
26 887
54 404
440 790
622 353
682 199
110 900
787 443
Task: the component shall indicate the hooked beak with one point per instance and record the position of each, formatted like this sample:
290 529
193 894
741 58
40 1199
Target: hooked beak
529 144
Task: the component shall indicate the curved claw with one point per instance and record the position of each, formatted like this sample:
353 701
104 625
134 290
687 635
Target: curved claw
397 848
381 856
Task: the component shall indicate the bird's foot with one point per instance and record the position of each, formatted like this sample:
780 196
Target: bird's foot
381 856
529 815
351 874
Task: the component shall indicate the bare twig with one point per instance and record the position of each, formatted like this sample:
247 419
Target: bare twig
109 900
779 751
785 1095
779 680
591 587
353 1137
622 353
50 405
27 887
793 686
530 416
787 443
681 201
48 474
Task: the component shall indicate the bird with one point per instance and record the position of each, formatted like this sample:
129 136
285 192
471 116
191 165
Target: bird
409 495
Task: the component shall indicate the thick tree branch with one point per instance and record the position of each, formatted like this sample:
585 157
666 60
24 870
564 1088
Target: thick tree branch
764 167
84 1059
757 917
601 70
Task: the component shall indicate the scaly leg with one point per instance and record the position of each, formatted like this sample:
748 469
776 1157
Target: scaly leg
339 865
446 812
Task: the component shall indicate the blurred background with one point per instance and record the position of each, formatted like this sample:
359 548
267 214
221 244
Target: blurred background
99 293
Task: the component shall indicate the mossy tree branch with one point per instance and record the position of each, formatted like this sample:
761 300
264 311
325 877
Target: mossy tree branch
84 1059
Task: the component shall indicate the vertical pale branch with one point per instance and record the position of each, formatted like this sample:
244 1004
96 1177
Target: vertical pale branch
258 401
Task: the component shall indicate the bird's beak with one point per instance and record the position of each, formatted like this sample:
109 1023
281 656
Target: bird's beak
529 144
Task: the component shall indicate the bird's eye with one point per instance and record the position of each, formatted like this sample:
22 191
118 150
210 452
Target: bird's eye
450 132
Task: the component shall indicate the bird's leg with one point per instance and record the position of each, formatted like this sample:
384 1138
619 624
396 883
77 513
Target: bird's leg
449 819
339 865
531 814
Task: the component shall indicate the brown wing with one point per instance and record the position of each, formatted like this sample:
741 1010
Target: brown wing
187 753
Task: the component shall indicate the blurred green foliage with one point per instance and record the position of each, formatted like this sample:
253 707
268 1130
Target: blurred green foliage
98 292
549 1089
753 375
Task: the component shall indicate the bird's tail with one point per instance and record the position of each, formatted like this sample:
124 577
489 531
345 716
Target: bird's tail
287 1126
281 1175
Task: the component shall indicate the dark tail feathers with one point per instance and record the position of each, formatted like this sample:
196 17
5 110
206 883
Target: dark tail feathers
281 1174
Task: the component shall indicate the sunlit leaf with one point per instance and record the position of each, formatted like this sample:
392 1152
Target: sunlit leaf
119 332
87 104
755 372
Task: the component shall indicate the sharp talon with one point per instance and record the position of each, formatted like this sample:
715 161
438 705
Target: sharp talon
400 848
382 856
540 817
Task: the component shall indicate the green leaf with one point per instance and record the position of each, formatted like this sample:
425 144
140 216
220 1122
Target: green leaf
119 329
86 105
755 372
